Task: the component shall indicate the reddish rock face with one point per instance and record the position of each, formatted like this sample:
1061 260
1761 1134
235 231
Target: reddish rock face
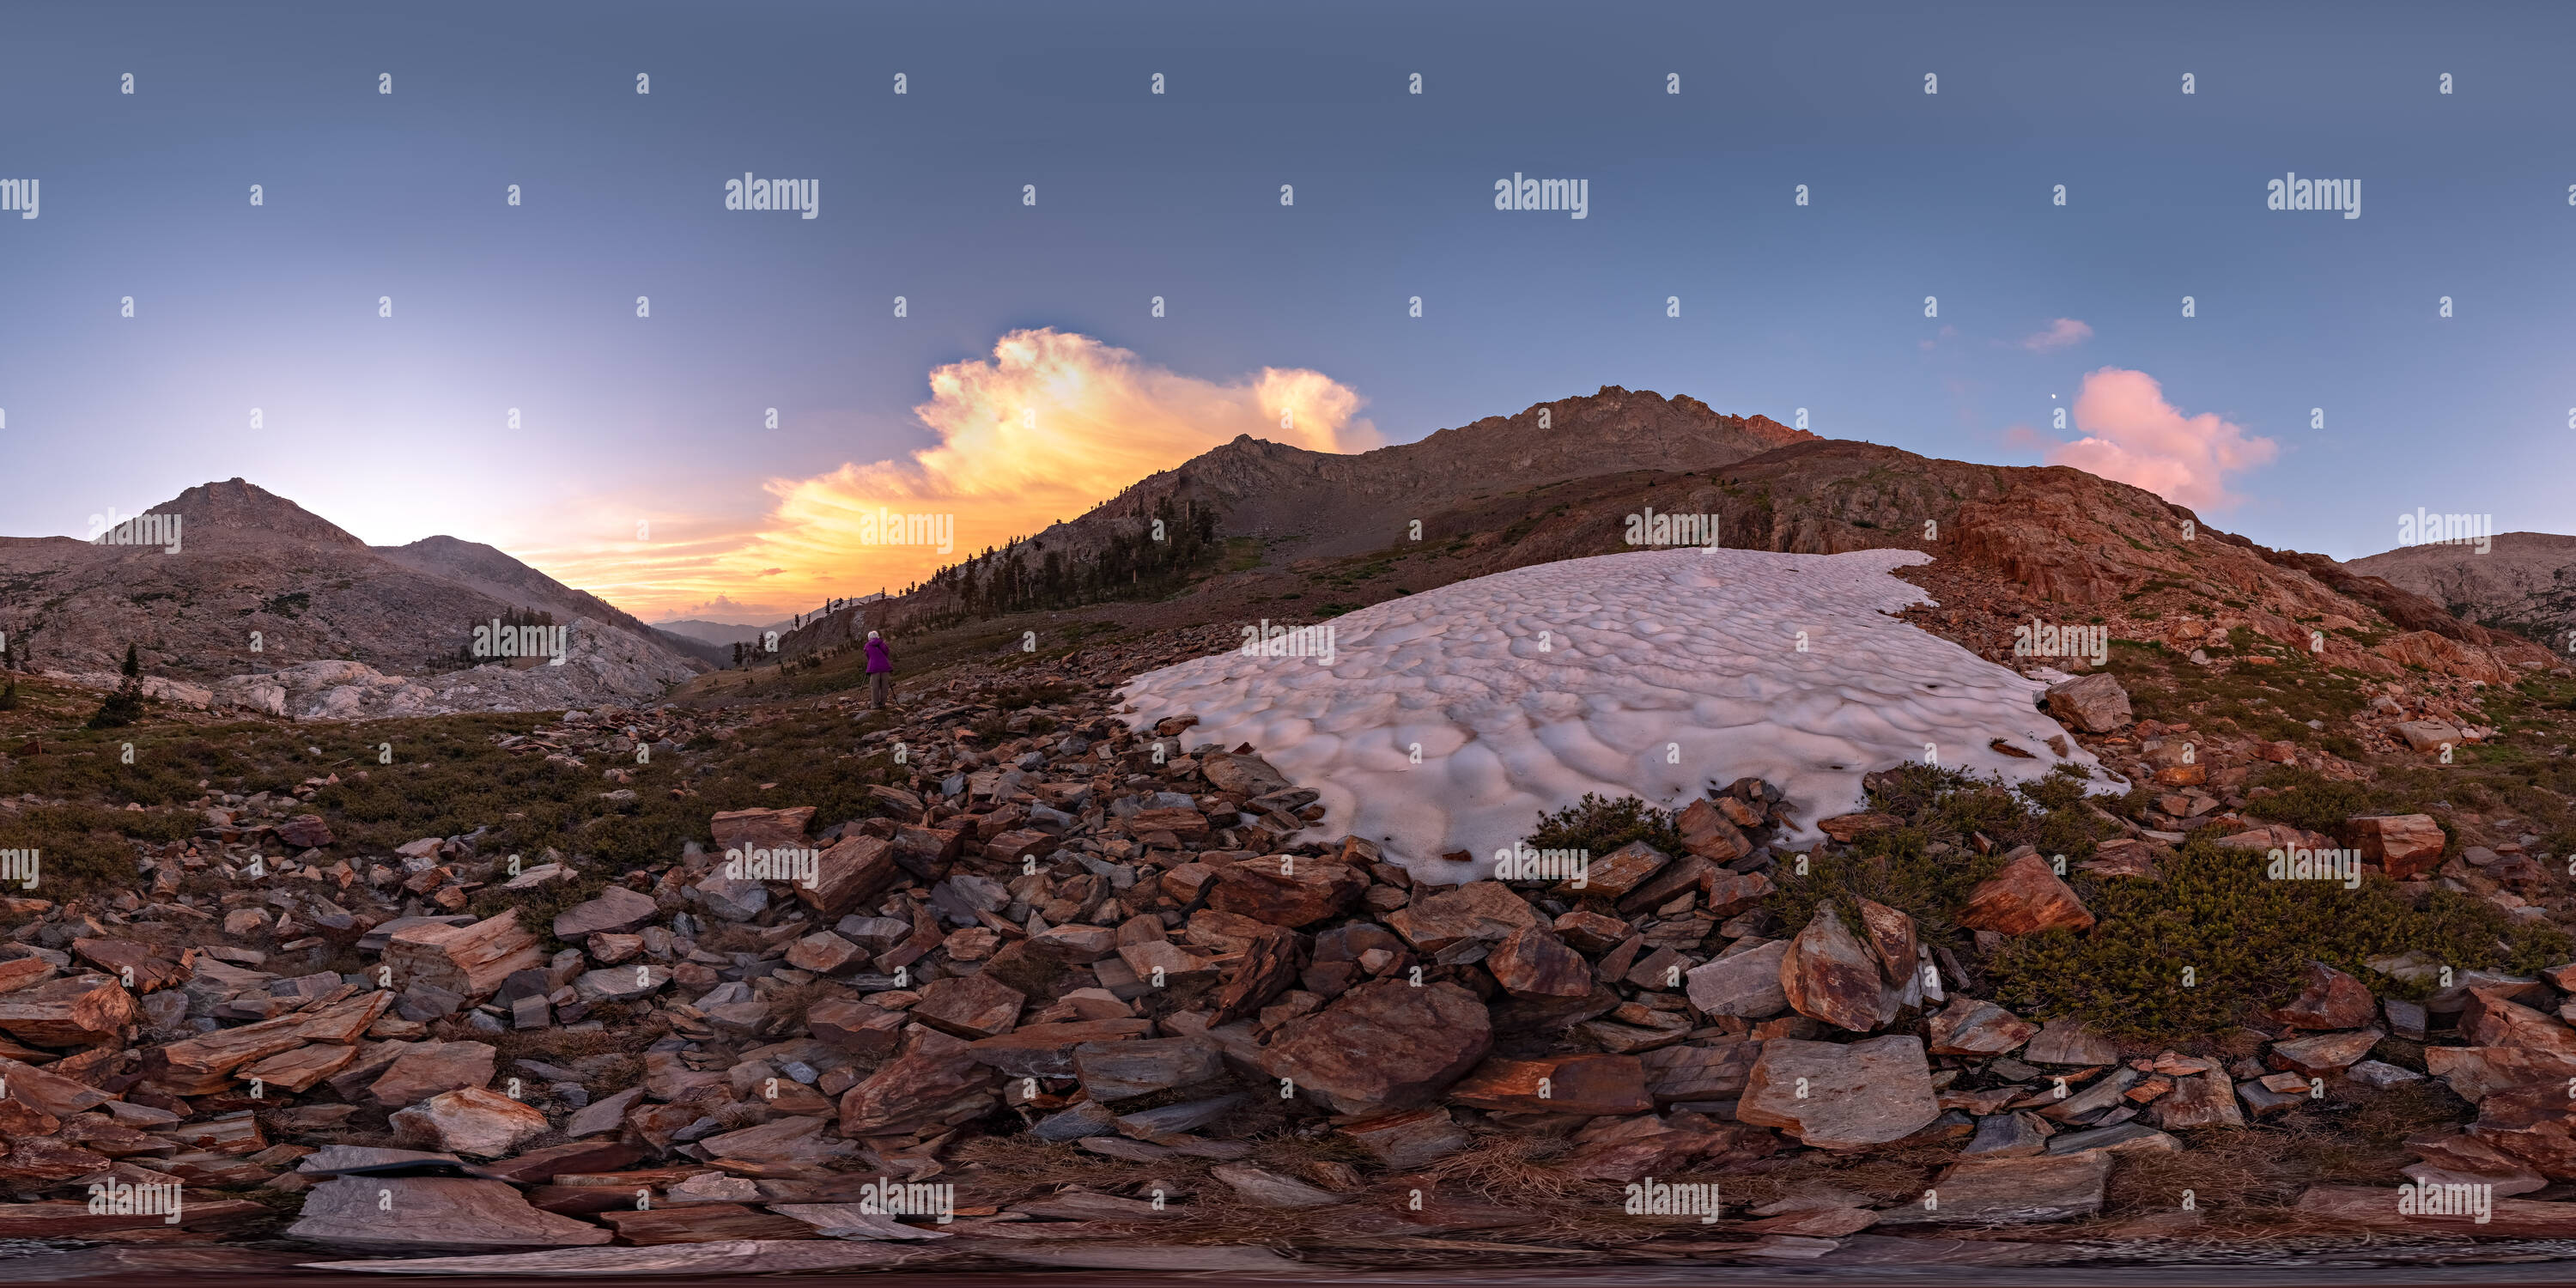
763 829
1620 871
2490 1019
923 1088
969 1006
1308 892
2406 845
1829 976
1384 1046
2331 1000
2198 1100
2024 898
1849 827
2326 1054
1707 833
855 869
2530 1125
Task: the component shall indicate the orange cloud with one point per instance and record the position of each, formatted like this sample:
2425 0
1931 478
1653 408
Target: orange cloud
2132 435
1048 427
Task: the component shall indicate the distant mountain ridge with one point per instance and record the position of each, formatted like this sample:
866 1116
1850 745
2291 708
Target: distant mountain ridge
2524 583
260 584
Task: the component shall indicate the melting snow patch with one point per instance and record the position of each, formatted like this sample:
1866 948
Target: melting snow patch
1650 674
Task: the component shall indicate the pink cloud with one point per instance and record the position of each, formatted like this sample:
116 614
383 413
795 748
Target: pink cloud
2132 435
2064 333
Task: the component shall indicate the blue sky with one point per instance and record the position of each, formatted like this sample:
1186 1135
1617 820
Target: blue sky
394 427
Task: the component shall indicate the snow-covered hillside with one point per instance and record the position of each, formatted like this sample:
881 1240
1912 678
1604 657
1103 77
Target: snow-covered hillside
1651 674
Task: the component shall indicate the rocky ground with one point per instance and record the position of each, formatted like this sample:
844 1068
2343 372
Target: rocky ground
1100 984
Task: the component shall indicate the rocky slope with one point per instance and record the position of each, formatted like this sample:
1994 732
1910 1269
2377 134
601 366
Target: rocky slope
2525 583
261 585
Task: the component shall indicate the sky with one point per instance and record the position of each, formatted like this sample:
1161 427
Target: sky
385 308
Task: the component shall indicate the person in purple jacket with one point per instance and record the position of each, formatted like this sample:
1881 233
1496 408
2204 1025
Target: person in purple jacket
880 672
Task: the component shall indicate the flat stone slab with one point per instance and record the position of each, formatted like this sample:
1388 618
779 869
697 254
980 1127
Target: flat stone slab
432 1214
1858 1094
730 1257
2048 1187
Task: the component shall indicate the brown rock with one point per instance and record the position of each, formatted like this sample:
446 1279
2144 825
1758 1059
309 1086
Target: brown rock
1707 833
615 911
1970 1027
970 1006
1479 910
2478 1072
1532 963
921 1089
304 832
1591 1085
2198 1100
1828 975
855 869
1620 871
299 1069
1308 891
1119 1070
1047 1050
2489 1019
2375 1207
468 1121
1858 1095
431 1214
471 961
1412 1139
2065 1040
1847 828
1384 1046
1728 893
1714 1071
135 966
78 1010
2325 1054
703 1223
2023 898
1988 1190
430 1068
1242 773
761 829
2406 845
1746 984
2331 1000
2094 703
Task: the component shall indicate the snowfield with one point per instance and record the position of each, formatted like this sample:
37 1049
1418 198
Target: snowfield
1651 674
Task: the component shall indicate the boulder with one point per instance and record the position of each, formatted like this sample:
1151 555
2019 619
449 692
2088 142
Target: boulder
1479 910
1532 962
2025 897
1707 833
1119 1070
469 961
1858 1095
76 1011
2489 1019
1309 891
2326 1054
1715 1071
431 1068
2330 1000
396 1214
2478 1072
1828 975
615 911
761 829
1270 1190
930 1087
1847 828
1971 1027
2065 1040
1745 984
2405 845
2094 703
469 1121
1413 1139
851 871
1384 1046
969 1006
1243 773
1614 874
2198 1100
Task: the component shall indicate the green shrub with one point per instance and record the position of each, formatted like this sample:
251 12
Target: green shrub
1602 824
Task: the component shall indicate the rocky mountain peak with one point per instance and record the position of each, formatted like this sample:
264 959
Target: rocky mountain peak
247 507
